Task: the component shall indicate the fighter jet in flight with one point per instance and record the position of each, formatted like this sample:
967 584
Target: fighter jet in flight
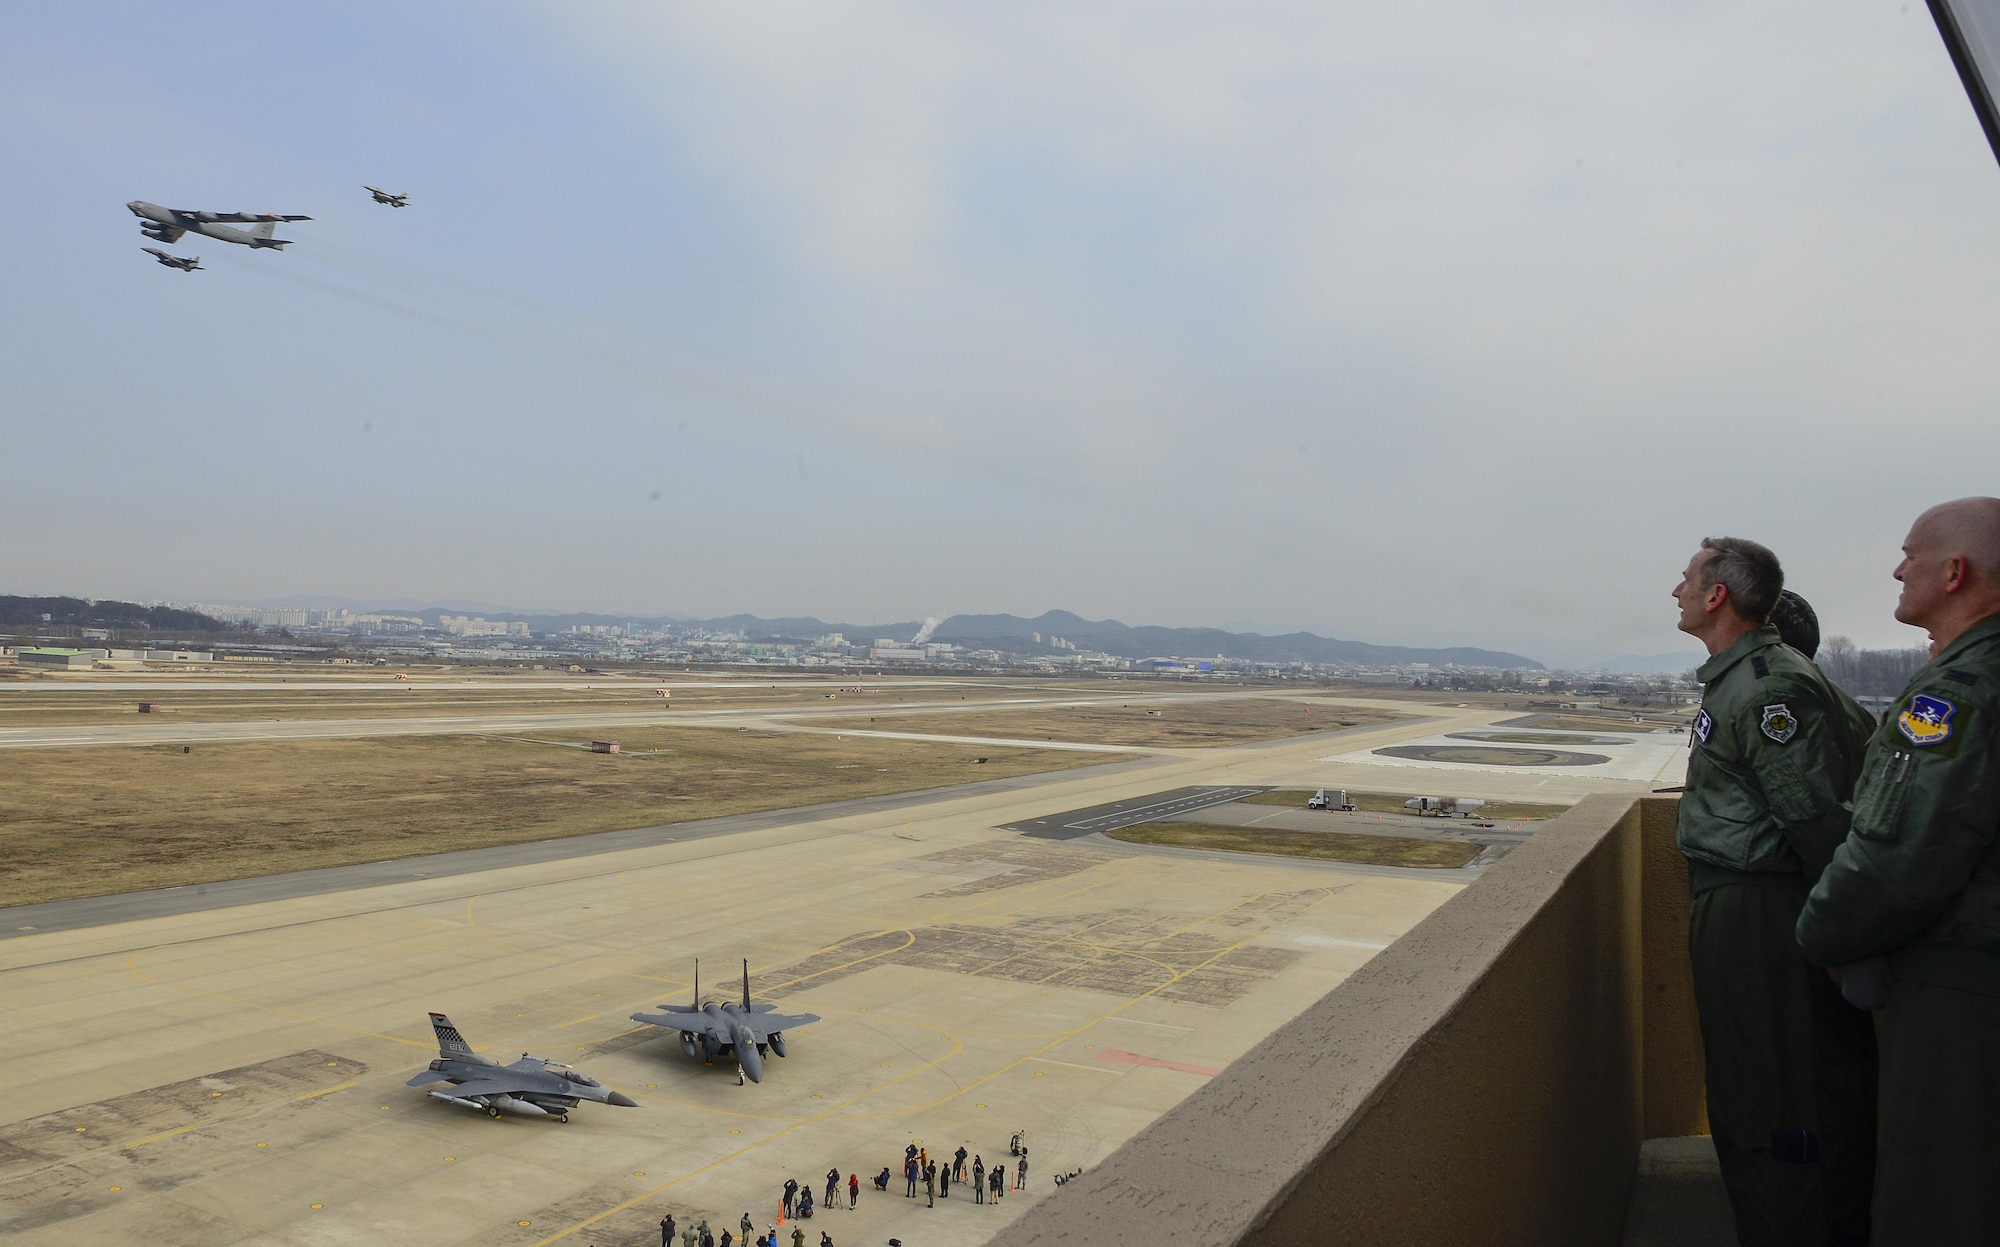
185 263
530 1087
744 1031
168 224
384 197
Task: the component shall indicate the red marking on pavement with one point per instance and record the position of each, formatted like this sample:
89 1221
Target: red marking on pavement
1152 1062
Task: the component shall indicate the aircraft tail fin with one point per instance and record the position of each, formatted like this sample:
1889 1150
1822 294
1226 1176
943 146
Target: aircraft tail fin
263 229
450 1042
746 985
697 986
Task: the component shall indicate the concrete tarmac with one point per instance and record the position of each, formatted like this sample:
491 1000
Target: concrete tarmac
236 1074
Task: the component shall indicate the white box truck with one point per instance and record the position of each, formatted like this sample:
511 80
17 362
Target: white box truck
1330 799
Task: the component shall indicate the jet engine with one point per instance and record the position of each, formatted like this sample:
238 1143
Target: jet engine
777 1043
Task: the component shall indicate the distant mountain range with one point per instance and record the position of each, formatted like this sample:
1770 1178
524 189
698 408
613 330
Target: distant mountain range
64 612
1008 633
1014 634
1112 637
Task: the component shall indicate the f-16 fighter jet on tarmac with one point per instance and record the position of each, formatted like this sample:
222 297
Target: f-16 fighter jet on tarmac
168 224
530 1087
745 1031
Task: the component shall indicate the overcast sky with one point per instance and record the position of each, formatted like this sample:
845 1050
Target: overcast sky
1423 323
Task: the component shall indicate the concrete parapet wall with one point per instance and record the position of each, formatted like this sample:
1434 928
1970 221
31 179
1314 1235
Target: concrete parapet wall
1483 1080
1676 1099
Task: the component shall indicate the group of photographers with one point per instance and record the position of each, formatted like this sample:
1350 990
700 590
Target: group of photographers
1845 932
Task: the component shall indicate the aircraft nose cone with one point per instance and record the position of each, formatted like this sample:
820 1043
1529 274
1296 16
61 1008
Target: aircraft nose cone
621 1100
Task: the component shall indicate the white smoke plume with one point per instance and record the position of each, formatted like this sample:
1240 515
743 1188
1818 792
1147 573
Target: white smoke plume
931 623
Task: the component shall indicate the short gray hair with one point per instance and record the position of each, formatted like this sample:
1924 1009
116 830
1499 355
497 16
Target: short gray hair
1749 571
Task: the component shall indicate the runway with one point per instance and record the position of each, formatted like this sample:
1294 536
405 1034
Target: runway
148 731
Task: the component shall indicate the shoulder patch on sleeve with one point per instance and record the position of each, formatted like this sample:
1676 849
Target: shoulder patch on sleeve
1758 665
1961 677
1778 723
1703 726
1926 720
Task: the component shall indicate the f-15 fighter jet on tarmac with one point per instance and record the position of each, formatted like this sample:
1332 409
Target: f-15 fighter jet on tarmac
744 1031
530 1087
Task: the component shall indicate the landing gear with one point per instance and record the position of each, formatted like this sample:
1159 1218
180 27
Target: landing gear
739 1075
563 1118
492 1112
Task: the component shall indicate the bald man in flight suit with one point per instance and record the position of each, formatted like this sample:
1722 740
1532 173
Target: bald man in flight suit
1918 880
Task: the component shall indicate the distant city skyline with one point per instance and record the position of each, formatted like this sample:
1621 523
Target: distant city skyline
489 619
1446 326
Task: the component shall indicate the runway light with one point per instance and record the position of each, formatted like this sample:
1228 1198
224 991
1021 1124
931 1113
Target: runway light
524 1223
317 1207
116 1189
263 1145
736 1132
451 1158
638 1173
82 1129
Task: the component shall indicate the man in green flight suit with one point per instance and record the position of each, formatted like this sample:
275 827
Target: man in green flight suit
1918 880
1791 1067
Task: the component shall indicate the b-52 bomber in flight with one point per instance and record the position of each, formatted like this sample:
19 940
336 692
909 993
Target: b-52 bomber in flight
185 263
384 197
168 224
530 1087
743 1031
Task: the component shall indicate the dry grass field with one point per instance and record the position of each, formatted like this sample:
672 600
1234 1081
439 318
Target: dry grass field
1220 721
1331 846
1611 721
88 822
1392 803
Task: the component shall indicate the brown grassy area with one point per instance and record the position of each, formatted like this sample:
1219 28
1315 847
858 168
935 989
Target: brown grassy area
1392 803
1607 722
60 700
87 822
1331 846
1209 721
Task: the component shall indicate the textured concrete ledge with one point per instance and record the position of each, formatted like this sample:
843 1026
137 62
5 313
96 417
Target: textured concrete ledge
1478 1082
